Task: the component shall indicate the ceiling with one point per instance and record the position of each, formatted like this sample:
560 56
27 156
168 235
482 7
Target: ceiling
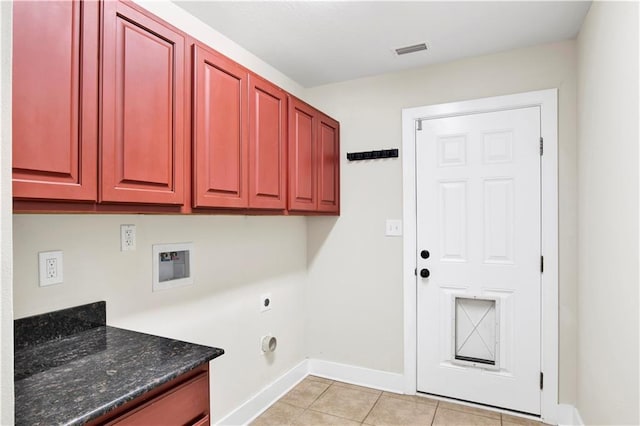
320 42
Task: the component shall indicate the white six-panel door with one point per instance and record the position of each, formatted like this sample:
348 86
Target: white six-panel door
478 216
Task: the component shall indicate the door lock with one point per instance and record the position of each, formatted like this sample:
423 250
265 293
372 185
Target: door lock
424 254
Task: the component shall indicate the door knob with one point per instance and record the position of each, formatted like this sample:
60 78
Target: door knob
424 273
424 254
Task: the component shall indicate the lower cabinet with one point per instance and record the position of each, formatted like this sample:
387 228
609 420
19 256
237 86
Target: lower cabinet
182 401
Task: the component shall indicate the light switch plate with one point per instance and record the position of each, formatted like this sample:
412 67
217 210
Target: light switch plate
50 268
394 228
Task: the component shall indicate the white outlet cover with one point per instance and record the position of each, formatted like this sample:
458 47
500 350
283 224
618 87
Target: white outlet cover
127 237
55 256
393 228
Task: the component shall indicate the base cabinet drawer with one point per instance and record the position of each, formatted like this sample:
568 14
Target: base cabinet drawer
182 401
184 405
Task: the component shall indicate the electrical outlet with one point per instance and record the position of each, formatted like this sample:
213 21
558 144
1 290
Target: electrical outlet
394 228
127 237
265 302
50 266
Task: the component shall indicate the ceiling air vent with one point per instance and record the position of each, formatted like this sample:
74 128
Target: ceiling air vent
411 49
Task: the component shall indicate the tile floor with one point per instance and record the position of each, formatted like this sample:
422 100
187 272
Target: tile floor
317 401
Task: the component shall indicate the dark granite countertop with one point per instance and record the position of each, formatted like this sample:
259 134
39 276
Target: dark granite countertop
83 372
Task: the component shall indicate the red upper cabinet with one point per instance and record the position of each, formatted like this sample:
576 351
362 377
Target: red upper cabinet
314 160
267 145
55 100
143 99
328 164
106 98
220 137
302 156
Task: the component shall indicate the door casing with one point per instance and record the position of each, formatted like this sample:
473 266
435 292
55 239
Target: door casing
547 100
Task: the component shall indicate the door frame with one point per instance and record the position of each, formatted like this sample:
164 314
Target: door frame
547 100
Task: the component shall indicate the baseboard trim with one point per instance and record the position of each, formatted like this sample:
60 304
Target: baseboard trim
382 380
569 415
566 414
257 404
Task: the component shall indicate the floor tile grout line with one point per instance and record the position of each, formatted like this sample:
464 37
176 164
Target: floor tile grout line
333 415
340 417
435 411
337 384
321 393
371 409
462 410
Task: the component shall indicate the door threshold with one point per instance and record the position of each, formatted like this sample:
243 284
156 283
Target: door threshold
516 413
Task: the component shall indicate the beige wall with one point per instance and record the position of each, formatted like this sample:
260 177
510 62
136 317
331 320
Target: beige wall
180 18
236 259
608 212
342 274
355 300
6 311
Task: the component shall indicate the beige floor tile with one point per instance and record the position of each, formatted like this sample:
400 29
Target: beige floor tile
356 387
305 393
315 418
346 402
396 411
470 410
278 414
415 398
513 420
446 417
318 379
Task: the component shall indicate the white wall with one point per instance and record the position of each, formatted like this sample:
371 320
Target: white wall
6 311
355 300
608 215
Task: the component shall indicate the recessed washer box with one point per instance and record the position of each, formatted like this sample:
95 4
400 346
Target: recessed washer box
172 265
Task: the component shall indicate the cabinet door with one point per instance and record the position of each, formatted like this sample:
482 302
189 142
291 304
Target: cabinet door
328 165
267 145
142 108
55 100
220 131
302 156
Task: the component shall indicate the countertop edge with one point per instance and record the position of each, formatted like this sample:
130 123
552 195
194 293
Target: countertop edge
139 392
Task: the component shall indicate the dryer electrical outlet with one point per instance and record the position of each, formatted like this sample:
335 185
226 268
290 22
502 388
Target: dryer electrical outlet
265 302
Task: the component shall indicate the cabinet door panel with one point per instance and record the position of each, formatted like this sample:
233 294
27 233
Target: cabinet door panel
302 157
54 91
220 137
143 108
328 165
267 145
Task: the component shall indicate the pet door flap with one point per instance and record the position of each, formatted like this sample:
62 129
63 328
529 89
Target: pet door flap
476 332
